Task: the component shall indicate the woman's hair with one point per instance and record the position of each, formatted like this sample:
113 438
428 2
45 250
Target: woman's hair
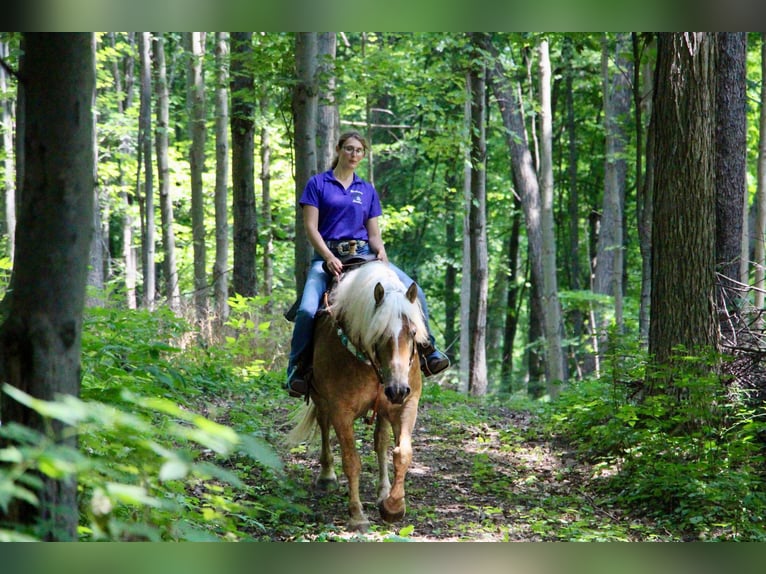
342 140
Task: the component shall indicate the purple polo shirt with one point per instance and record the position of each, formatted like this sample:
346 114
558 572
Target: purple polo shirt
343 213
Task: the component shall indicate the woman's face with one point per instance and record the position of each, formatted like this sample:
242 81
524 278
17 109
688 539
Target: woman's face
351 153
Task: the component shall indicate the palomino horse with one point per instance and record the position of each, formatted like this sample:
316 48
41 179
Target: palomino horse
366 359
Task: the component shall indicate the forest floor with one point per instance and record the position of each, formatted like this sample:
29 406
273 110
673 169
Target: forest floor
480 472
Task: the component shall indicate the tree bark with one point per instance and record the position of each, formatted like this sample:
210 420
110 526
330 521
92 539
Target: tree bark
328 120
477 230
220 267
555 371
9 172
170 267
305 122
730 173
683 234
41 338
197 128
245 230
266 216
145 143
760 201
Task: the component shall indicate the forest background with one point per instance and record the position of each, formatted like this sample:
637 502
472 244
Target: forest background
522 179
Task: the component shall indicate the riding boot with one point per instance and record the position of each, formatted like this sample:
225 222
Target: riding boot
432 361
296 382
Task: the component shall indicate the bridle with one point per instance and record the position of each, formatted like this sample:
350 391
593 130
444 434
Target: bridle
363 356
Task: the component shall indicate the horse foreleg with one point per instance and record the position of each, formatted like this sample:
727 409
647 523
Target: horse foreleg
326 479
394 507
352 468
382 439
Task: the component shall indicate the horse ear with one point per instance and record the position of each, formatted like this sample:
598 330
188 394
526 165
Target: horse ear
379 294
412 293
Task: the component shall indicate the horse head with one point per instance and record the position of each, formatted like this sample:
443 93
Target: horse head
394 356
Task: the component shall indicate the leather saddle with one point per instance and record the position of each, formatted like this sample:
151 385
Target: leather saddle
349 262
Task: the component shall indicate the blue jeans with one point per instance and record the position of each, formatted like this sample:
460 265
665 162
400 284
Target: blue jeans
316 284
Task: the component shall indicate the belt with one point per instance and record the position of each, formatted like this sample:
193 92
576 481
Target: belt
346 246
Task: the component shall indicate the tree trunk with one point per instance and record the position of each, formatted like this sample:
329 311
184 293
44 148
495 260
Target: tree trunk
9 173
305 124
40 339
245 230
683 235
196 107
608 273
760 201
145 142
220 272
95 296
328 120
513 296
266 217
172 289
555 371
730 174
642 103
477 232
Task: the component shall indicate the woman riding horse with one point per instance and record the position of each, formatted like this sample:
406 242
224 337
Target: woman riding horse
340 215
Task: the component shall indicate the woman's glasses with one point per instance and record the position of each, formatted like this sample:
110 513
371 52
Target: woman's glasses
351 150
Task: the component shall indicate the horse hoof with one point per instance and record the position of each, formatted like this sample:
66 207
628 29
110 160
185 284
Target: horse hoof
326 484
356 525
390 516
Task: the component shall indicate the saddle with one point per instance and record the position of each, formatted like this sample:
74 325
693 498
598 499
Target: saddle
349 262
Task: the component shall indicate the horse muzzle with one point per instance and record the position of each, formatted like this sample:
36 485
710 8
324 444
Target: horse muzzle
397 392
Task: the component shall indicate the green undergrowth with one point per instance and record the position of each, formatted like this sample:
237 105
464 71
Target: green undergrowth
688 454
169 437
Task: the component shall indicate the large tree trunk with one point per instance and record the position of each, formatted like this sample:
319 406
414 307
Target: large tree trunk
220 273
41 337
172 289
145 143
197 116
730 174
477 232
305 123
683 235
245 230
555 360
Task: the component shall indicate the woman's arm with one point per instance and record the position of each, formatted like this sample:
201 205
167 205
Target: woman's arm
375 239
311 225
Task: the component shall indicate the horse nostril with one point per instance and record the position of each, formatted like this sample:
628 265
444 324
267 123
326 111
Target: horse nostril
397 393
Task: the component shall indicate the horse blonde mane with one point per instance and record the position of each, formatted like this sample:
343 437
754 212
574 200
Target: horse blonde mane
353 303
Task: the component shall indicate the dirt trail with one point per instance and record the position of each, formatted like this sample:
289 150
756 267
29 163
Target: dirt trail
486 481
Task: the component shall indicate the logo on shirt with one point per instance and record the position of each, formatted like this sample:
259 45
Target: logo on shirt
356 196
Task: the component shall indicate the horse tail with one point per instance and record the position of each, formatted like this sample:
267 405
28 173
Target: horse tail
306 428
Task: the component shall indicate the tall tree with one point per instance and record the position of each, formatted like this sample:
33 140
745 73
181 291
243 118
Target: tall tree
607 278
172 288
328 120
305 103
220 273
266 216
555 359
41 337
146 199
730 172
9 172
245 232
683 235
759 233
478 268
195 42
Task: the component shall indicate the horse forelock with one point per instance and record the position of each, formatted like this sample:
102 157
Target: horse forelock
365 322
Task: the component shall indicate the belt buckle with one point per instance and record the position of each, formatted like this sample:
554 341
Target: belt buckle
347 247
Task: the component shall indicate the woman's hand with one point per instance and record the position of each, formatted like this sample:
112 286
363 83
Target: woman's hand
334 265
